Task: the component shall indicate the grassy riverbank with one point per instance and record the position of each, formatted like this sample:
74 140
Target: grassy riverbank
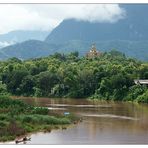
18 118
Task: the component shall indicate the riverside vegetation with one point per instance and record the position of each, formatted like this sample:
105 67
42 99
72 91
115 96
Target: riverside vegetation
107 77
18 118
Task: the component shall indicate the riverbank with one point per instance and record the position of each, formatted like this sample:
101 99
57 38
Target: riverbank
18 118
104 122
90 99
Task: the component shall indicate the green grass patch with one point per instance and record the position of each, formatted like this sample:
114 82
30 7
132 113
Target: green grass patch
22 118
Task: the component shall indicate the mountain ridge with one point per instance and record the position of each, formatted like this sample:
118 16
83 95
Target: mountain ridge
128 35
18 36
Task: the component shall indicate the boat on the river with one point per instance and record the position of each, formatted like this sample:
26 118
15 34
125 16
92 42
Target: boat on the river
22 140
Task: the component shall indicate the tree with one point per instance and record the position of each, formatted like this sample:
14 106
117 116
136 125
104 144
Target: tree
13 80
45 82
134 92
3 89
143 98
27 85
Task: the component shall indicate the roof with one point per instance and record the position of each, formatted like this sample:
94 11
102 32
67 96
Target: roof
141 81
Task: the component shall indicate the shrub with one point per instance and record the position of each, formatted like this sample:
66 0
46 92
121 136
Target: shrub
4 117
134 92
3 124
14 106
143 98
40 110
40 119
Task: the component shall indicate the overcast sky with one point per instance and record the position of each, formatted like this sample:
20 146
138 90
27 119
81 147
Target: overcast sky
48 16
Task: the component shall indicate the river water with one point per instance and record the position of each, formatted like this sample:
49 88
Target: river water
104 122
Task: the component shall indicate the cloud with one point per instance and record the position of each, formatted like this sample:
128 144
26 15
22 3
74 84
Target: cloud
48 16
4 44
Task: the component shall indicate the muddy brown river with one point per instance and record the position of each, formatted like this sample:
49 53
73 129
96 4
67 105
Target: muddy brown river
104 122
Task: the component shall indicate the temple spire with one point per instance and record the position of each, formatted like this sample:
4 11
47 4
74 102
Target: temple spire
93 52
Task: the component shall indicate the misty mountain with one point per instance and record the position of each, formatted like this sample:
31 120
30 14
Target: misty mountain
128 35
133 27
26 50
21 36
35 48
135 49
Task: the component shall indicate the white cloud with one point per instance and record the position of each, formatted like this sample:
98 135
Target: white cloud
4 44
48 16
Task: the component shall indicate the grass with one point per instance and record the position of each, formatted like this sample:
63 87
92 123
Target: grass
18 118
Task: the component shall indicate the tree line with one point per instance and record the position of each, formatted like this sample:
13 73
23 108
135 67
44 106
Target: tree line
107 77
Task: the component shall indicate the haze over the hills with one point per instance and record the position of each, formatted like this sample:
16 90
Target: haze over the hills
18 36
127 33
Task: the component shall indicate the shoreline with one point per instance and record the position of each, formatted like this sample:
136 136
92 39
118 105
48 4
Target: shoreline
88 99
18 118
36 132
29 134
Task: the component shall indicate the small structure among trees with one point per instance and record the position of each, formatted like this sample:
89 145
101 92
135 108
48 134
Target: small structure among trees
141 82
93 52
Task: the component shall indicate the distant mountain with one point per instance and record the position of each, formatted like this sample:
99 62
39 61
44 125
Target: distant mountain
21 36
26 50
35 48
133 27
3 56
129 35
135 49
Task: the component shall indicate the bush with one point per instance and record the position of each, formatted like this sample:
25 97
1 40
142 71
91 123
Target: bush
3 124
4 117
143 98
6 138
3 89
14 106
9 130
134 92
27 119
40 119
40 110
54 120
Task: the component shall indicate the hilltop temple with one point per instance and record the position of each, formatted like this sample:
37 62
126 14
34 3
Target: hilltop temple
93 52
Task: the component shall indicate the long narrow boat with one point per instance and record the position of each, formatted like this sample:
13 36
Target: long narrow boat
22 140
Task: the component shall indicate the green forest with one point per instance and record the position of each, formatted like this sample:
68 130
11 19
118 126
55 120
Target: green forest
107 77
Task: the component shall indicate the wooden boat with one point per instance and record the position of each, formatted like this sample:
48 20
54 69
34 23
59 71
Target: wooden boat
22 140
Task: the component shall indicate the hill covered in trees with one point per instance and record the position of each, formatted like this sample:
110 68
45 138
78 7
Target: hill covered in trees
26 50
107 77
35 49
